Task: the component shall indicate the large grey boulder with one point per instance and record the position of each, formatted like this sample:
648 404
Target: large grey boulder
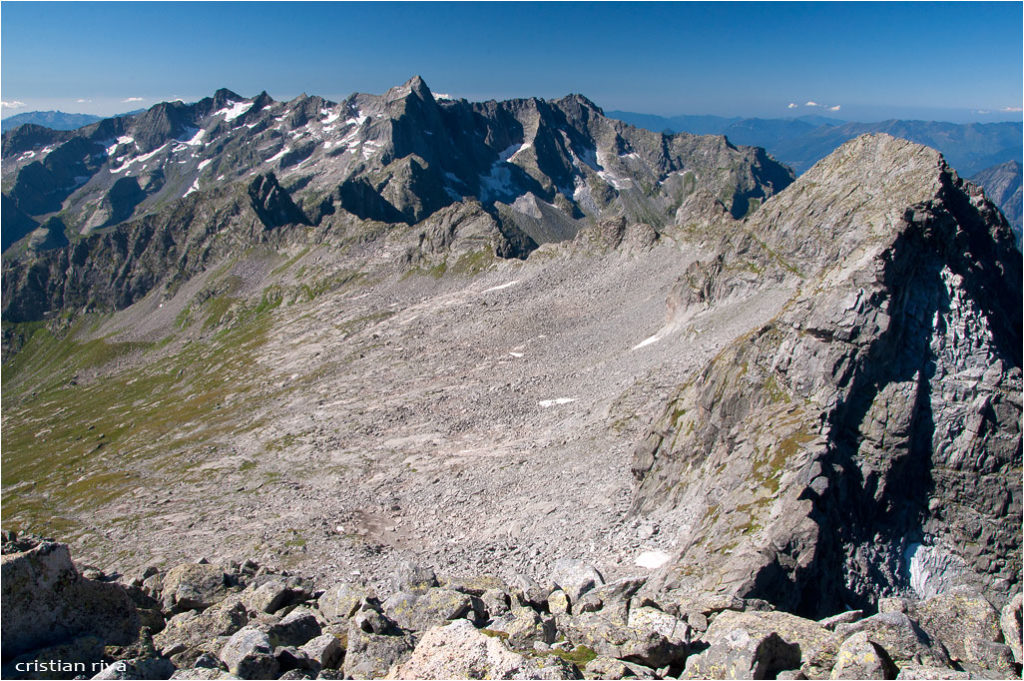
652 638
193 586
900 637
341 601
46 601
817 645
959 619
740 655
524 626
268 597
410 576
190 629
370 656
575 577
325 650
861 658
294 629
420 611
1010 621
250 655
460 651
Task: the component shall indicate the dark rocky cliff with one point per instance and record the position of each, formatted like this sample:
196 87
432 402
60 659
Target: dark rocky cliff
866 442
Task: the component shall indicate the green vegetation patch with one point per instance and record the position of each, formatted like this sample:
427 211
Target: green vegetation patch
85 424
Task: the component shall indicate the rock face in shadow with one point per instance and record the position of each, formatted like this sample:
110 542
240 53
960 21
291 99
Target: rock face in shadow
866 442
47 602
1002 184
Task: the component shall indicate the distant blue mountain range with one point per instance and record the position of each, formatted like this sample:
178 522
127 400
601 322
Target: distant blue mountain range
55 120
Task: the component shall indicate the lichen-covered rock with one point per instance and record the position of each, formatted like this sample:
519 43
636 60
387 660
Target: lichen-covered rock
523 626
341 601
901 638
370 656
193 586
268 597
861 658
420 611
645 643
575 577
460 651
189 629
1010 621
817 645
558 602
965 623
250 655
610 668
325 650
740 655
294 629
495 604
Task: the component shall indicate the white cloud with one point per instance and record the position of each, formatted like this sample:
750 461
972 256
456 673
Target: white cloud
834 108
791 105
132 99
811 103
14 104
1011 109
982 111
83 101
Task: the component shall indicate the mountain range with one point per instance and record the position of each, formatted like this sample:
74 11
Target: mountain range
55 120
974 149
496 336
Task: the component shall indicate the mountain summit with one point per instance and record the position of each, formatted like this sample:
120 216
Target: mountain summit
399 157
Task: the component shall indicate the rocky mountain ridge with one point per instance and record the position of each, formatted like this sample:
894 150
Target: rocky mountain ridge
539 167
975 150
858 407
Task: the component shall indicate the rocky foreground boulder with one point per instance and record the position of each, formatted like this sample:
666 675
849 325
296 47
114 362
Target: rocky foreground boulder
243 621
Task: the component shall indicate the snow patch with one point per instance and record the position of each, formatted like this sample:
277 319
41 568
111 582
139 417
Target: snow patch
652 560
331 116
139 159
196 139
497 183
193 188
203 164
647 341
556 401
125 139
516 354
509 152
234 110
500 287
278 155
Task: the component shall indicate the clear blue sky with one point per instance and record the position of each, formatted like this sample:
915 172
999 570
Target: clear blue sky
873 60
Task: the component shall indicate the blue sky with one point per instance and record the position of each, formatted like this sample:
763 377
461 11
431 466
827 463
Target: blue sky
943 61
